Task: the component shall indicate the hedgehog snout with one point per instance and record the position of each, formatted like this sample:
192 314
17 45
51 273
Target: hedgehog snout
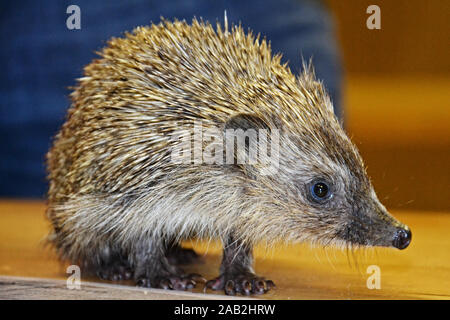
394 233
402 238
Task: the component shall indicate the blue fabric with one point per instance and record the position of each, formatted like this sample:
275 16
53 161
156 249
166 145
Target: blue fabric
40 58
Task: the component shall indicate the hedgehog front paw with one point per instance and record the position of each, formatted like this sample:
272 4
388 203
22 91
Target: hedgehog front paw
171 282
245 283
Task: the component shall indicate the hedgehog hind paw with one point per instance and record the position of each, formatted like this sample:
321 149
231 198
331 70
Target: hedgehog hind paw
171 282
115 272
245 283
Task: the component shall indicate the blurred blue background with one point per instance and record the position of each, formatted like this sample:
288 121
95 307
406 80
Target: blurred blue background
40 58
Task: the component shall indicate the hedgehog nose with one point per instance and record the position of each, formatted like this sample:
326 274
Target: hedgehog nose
402 238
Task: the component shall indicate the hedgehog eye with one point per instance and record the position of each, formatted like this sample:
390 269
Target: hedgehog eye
320 191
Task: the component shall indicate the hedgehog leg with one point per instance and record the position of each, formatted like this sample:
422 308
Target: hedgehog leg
178 255
153 269
236 272
110 264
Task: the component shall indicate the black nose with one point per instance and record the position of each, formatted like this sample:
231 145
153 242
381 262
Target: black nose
402 238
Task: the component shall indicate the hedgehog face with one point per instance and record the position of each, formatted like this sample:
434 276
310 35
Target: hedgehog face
349 211
320 188
333 199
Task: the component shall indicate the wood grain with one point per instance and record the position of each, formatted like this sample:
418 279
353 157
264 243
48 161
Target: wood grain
18 288
422 271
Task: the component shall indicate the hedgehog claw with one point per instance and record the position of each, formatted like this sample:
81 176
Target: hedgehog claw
196 277
172 282
245 284
115 273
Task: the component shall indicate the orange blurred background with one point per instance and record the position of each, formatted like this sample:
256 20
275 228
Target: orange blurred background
397 99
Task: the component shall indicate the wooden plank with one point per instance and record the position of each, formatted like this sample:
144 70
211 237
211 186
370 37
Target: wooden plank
20 288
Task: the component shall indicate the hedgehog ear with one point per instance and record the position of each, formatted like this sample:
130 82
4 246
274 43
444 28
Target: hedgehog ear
243 135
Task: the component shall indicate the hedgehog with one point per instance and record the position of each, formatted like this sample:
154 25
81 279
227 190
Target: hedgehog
120 205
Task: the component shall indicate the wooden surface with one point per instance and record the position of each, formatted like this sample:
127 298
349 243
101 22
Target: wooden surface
422 271
16 288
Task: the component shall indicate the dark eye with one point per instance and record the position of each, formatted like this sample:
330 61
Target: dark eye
320 191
